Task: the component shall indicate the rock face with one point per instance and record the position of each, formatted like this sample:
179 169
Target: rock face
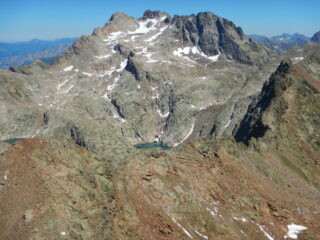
251 125
316 37
215 35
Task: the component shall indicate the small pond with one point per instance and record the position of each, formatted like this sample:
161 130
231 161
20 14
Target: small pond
11 140
152 145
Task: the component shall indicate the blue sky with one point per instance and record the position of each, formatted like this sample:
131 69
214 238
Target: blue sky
22 20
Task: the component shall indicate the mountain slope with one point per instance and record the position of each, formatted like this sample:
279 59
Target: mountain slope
208 189
225 190
50 190
155 78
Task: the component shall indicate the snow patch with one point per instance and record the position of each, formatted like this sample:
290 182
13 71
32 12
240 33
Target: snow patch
67 69
294 230
116 116
133 38
156 139
228 123
142 28
201 235
36 133
111 87
155 96
298 59
108 73
186 137
157 34
212 58
106 96
265 233
87 74
184 230
180 52
240 219
63 83
113 37
152 61
189 59
163 115
144 52
68 89
104 56
122 66
213 213
185 50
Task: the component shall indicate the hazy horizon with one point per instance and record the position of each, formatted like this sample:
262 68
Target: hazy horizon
49 20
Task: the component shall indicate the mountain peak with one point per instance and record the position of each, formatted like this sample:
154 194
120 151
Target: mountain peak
119 15
206 33
316 37
152 14
285 66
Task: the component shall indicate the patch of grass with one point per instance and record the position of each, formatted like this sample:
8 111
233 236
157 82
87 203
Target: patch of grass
293 167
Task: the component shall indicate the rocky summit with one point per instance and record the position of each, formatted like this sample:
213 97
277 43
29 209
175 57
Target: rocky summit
316 37
238 128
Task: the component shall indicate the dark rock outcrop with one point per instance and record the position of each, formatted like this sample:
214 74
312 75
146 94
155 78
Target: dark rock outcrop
316 37
215 35
151 14
252 125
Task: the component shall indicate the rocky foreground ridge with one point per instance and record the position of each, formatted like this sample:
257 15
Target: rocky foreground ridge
243 124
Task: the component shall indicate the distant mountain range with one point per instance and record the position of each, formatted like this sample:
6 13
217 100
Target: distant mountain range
282 43
22 53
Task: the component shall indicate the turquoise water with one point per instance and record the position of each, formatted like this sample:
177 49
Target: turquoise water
12 140
152 145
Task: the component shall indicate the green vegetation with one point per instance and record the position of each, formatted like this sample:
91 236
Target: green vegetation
292 166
